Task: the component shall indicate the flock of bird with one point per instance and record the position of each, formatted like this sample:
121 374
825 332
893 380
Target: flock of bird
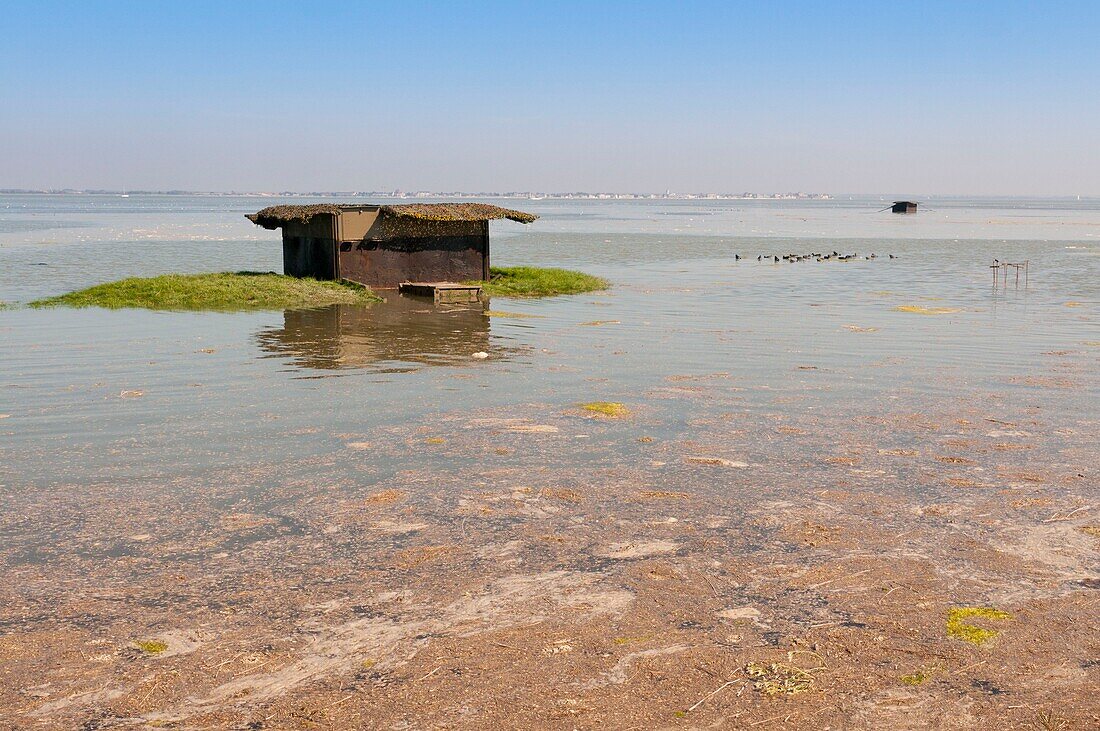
816 256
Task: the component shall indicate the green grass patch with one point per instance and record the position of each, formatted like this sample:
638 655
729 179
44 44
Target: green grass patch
539 282
959 627
223 291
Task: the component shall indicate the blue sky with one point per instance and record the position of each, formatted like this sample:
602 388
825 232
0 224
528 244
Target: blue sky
965 98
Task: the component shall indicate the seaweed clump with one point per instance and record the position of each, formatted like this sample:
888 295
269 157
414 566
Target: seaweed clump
959 628
919 310
779 678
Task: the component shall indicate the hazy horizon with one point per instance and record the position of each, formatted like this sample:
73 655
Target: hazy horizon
700 97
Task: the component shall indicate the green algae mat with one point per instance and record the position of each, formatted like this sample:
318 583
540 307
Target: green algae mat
223 291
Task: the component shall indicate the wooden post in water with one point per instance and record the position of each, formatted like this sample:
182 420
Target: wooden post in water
1001 268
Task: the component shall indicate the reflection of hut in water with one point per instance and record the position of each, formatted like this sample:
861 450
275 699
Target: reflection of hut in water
400 330
383 246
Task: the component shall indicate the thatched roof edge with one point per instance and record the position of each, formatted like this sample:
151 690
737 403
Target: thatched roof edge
275 216
457 212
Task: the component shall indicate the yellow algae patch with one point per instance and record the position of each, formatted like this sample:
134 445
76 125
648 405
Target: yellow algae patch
960 629
435 440
151 647
597 323
514 315
629 640
610 409
919 676
1074 304
919 310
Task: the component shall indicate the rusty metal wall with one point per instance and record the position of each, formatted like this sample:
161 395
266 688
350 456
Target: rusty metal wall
356 225
385 264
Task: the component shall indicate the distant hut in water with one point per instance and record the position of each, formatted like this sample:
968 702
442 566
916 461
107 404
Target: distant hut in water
903 207
383 246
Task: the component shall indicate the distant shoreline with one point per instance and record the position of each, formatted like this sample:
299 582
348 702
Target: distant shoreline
536 196
397 195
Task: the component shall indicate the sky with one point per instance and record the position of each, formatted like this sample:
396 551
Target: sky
961 98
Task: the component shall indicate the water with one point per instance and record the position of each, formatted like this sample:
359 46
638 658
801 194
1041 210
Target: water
313 505
94 395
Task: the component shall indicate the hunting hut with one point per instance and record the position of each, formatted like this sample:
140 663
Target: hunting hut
903 207
384 246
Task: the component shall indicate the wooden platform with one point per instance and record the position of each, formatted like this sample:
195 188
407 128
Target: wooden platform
442 292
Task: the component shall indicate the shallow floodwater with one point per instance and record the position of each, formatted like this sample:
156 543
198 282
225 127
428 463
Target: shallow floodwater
399 516
90 395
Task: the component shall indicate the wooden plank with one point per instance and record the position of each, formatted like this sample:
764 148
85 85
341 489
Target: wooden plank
444 292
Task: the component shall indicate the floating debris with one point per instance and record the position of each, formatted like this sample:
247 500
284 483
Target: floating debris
919 310
512 315
779 678
385 497
740 614
662 495
638 550
534 428
715 461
